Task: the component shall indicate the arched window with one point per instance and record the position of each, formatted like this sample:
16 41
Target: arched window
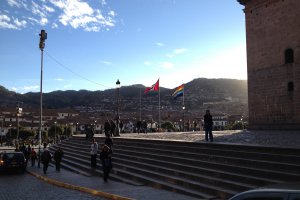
289 56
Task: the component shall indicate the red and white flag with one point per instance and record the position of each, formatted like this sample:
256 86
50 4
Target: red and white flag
154 87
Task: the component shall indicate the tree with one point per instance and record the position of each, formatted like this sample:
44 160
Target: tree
55 129
67 131
168 126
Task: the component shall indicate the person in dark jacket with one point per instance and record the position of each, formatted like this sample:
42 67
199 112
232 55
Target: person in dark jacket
46 158
112 128
145 126
58 154
138 126
208 124
107 128
109 142
105 157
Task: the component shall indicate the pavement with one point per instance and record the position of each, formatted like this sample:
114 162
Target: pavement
95 186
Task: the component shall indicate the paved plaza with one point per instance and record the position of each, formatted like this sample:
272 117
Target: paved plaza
266 138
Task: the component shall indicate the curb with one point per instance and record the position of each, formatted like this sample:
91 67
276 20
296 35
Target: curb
79 188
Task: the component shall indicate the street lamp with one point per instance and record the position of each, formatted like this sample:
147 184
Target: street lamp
19 112
55 139
118 83
10 138
43 37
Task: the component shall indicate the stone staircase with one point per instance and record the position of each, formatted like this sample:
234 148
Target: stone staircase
202 170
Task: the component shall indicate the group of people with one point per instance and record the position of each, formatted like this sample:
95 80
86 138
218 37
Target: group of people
142 126
105 156
110 127
46 157
106 150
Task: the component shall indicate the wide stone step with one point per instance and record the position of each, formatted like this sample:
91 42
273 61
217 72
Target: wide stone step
161 184
203 178
179 181
203 170
204 149
244 161
210 173
214 145
265 173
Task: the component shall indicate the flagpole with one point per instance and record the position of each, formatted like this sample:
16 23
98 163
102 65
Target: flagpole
183 96
158 106
140 104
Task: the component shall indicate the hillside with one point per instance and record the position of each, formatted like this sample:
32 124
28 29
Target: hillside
198 93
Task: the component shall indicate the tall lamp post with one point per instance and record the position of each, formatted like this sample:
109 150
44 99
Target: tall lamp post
10 137
118 83
19 112
43 37
55 139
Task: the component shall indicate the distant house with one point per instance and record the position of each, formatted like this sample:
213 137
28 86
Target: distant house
220 121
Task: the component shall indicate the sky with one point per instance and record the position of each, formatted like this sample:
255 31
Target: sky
92 43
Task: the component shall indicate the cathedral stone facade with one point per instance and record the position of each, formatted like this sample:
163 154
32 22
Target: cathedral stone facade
273 63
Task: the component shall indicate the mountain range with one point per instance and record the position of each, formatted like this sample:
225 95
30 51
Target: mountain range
227 95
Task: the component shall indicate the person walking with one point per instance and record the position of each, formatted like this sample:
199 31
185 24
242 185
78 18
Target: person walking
208 124
94 150
58 154
105 157
46 158
33 157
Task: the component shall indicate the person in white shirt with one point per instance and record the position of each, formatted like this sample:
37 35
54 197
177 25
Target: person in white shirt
94 151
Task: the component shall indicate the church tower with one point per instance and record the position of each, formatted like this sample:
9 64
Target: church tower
273 63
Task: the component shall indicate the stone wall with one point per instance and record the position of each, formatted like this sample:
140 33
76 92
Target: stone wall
272 27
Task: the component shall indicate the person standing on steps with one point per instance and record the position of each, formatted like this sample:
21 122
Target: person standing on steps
94 150
58 157
208 124
109 142
105 157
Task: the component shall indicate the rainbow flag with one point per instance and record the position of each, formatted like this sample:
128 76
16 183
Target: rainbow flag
179 91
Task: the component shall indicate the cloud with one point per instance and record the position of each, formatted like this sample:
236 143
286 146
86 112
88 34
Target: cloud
32 87
14 89
147 63
20 23
67 86
105 62
54 25
170 55
180 51
14 3
58 79
8 23
160 44
167 65
176 52
77 14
